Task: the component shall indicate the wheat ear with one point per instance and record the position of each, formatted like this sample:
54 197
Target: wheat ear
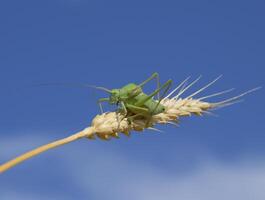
109 125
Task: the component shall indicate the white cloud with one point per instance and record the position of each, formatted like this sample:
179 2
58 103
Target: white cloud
14 195
121 178
112 175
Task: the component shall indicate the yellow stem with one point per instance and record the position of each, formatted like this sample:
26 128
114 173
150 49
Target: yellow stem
35 152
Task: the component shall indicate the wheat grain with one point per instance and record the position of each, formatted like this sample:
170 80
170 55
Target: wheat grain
110 124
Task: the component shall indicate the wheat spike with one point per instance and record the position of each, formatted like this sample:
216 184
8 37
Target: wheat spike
110 124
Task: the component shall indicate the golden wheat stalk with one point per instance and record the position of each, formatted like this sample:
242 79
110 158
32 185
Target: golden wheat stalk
109 125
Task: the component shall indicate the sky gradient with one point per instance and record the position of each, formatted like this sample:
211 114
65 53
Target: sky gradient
111 43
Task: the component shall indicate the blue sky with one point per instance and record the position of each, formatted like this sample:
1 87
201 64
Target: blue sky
111 43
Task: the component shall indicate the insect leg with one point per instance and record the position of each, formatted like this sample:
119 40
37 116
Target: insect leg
166 85
125 113
100 103
158 85
139 111
153 76
124 107
131 118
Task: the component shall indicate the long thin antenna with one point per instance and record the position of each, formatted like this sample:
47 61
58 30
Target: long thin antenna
73 84
205 87
100 88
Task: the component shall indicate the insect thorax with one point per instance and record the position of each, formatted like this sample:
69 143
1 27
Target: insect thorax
128 91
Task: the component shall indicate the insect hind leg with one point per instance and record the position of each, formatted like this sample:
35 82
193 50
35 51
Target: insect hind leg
136 112
166 86
153 76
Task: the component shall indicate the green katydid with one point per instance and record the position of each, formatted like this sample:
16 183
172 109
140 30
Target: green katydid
133 100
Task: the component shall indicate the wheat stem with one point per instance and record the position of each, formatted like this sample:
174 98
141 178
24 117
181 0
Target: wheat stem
41 149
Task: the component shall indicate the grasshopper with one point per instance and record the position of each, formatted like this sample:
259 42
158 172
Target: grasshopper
134 102
131 99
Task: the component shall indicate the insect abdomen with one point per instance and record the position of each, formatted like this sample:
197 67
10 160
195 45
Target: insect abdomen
154 108
150 104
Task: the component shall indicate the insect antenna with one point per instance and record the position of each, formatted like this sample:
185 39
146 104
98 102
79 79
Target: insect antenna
100 88
72 85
